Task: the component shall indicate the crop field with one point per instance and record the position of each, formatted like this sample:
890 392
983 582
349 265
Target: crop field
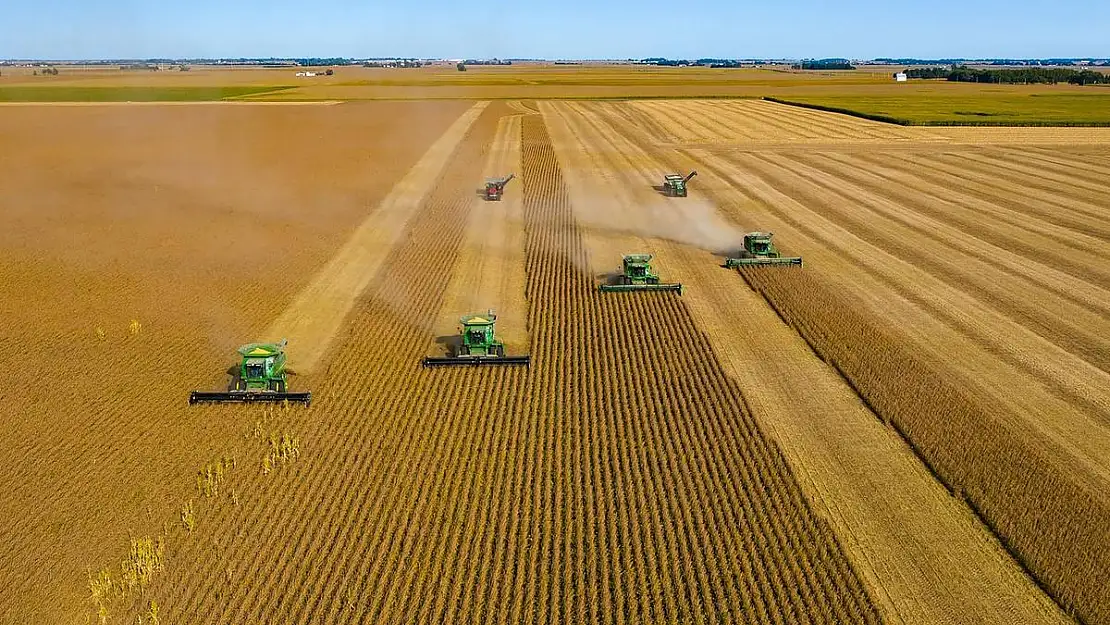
913 427
1016 106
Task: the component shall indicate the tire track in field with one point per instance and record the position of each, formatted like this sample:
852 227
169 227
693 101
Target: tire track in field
1059 207
1027 164
1021 175
1033 238
911 227
315 315
1054 159
833 125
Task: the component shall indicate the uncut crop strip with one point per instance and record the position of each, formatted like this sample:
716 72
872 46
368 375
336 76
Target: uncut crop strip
978 458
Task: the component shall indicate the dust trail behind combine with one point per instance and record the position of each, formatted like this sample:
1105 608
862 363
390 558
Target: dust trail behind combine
315 315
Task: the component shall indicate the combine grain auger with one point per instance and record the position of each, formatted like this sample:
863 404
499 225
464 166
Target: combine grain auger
261 378
478 346
495 187
636 275
758 250
674 185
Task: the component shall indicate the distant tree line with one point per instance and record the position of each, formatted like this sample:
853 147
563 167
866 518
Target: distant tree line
1023 76
824 64
702 62
319 62
402 63
487 62
1001 62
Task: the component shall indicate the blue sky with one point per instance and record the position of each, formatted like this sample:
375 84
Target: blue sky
64 29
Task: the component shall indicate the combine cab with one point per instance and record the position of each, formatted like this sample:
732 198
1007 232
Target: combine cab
674 185
495 187
758 250
478 345
260 378
636 275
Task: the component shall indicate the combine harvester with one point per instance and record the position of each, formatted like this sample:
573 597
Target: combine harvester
261 378
758 250
636 275
479 345
674 185
495 187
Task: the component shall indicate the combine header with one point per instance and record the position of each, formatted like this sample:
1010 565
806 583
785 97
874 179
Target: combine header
636 275
674 185
261 378
479 345
495 187
758 250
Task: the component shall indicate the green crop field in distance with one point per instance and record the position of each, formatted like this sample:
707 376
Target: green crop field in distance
65 93
1090 107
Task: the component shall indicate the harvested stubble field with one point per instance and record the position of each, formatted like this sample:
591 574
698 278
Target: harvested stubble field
911 429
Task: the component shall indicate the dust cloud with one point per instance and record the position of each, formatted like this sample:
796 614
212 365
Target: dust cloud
690 221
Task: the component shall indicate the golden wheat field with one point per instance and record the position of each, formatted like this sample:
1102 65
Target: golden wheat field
912 427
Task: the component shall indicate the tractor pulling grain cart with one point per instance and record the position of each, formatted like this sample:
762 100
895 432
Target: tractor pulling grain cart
758 250
636 275
495 187
478 345
260 378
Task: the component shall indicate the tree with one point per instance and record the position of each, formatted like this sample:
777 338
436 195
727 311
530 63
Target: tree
329 72
461 67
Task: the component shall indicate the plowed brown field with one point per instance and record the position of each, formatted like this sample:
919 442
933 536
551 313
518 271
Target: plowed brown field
910 429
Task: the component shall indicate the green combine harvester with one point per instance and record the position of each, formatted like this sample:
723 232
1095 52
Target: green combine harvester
674 185
479 345
758 250
260 378
636 275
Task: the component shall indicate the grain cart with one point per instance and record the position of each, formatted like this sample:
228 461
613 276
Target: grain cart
478 345
758 250
674 185
495 187
260 378
636 275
